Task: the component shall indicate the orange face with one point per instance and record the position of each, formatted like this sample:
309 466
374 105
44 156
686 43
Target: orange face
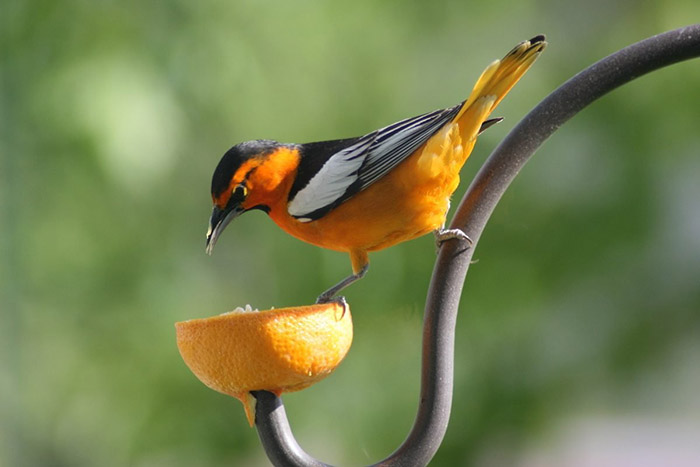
253 175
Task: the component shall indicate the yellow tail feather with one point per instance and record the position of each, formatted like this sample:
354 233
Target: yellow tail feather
494 83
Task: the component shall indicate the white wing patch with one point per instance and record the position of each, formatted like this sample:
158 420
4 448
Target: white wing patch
331 182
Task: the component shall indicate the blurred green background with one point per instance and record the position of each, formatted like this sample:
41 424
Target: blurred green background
579 331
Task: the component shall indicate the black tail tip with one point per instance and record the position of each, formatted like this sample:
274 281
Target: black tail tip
538 39
489 123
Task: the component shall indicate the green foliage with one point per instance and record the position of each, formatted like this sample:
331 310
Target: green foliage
113 117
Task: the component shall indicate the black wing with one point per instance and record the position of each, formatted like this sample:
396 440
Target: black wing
331 172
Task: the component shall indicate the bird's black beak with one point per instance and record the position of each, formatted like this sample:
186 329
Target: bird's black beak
218 221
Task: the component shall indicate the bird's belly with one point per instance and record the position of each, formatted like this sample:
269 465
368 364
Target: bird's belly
377 222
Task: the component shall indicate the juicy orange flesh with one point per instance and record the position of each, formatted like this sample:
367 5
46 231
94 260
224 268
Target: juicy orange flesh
279 350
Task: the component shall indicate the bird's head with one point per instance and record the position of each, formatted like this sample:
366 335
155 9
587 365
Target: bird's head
248 177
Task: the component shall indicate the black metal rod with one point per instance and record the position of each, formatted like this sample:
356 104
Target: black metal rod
473 213
276 435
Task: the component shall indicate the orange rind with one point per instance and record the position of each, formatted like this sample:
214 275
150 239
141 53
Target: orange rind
278 350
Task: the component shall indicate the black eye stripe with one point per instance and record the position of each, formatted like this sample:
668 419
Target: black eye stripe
238 194
240 191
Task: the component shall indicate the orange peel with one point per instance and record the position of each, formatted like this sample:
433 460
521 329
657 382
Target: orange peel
278 350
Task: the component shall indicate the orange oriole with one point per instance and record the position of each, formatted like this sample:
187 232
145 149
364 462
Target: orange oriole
367 193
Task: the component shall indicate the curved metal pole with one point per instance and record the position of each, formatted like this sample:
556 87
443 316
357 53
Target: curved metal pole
476 207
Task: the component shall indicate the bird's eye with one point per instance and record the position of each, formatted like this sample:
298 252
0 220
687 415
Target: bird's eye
239 193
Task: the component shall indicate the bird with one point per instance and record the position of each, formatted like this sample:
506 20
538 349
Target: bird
363 194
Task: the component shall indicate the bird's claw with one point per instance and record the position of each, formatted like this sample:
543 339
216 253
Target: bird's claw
340 300
442 235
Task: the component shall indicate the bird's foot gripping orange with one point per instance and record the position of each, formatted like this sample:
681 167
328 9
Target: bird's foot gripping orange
278 350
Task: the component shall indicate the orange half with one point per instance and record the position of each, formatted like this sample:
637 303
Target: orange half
278 350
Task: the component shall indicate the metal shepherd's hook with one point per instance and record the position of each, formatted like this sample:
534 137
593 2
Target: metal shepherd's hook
453 261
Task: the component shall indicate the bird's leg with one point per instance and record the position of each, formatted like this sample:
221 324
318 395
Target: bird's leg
442 234
328 295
